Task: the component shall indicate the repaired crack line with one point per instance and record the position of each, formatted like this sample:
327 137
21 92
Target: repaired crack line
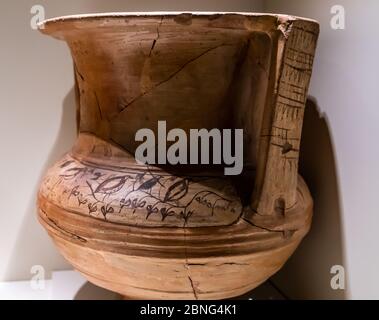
193 287
98 106
260 227
62 230
169 77
157 37
285 233
187 267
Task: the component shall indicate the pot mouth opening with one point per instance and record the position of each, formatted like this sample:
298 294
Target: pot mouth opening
56 26
150 14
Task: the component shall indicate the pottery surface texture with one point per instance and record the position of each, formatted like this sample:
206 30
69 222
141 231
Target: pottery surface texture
181 232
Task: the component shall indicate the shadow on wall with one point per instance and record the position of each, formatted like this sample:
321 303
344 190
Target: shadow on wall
31 231
307 273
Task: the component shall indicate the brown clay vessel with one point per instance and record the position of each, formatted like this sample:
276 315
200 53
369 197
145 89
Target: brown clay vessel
181 232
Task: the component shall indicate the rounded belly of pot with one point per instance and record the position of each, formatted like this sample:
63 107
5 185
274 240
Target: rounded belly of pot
148 233
140 195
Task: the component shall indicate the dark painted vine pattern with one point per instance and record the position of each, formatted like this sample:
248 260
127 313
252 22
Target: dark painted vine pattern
157 194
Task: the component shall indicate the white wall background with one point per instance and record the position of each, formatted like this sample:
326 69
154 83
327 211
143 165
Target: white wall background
340 149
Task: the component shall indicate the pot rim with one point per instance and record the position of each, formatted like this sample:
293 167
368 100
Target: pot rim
159 14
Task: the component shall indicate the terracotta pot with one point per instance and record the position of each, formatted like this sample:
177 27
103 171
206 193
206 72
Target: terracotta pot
181 232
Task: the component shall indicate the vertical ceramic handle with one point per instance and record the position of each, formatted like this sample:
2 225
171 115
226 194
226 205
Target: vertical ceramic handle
277 172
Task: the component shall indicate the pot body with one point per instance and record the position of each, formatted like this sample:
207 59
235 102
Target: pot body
181 232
